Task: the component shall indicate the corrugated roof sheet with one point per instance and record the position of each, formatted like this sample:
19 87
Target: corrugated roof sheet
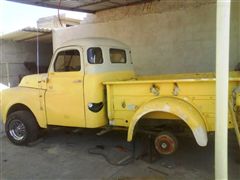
28 34
89 6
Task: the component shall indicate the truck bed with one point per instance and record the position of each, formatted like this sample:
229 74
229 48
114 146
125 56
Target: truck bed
233 76
124 98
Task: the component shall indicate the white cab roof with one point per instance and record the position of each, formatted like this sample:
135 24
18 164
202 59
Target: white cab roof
95 42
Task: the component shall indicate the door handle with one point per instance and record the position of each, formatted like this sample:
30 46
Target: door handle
77 81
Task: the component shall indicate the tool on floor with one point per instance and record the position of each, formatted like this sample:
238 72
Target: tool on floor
128 156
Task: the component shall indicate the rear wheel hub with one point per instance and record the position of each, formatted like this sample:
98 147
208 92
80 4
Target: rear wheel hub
165 143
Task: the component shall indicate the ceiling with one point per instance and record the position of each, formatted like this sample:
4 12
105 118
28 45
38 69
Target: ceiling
88 6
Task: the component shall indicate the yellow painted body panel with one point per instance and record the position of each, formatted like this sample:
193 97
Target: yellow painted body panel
238 99
35 103
64 99
95 91
234 75
33 81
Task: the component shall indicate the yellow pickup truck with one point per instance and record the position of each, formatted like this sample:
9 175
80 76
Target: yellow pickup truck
91 84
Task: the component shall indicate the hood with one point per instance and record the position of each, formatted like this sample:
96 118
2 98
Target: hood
33 81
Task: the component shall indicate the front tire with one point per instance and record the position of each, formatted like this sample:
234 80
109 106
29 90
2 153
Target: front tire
21 128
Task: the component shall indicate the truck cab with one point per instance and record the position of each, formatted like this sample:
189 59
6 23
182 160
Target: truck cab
72 92
75 95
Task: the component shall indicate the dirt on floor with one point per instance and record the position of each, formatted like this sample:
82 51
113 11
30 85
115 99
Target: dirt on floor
81 154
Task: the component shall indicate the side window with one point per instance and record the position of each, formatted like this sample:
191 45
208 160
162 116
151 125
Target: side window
117 56
95 55
68 60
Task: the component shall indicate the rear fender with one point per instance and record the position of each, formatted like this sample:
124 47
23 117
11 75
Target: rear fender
178 107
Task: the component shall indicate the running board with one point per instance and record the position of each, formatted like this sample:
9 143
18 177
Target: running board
104 131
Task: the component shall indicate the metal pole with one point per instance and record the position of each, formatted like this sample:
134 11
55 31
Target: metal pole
8 79
222 70
37 51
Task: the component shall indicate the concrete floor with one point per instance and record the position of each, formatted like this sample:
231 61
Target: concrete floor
63 154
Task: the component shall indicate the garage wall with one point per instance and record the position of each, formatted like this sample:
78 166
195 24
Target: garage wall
235 35
238 10
14 54
178 39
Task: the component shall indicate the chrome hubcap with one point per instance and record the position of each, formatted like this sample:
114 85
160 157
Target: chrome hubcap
17 129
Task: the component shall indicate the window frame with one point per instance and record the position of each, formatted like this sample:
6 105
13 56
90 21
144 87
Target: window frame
125 62
62 50
101 53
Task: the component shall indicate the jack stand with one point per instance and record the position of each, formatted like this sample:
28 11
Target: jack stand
148 153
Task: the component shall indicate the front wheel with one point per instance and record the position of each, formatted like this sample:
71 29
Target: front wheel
21 128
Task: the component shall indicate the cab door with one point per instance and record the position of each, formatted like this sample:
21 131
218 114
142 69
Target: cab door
64 96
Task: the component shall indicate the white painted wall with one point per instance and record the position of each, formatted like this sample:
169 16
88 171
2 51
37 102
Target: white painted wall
174 41
15 54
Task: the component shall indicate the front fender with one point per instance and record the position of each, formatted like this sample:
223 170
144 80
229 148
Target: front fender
30 97
178 107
